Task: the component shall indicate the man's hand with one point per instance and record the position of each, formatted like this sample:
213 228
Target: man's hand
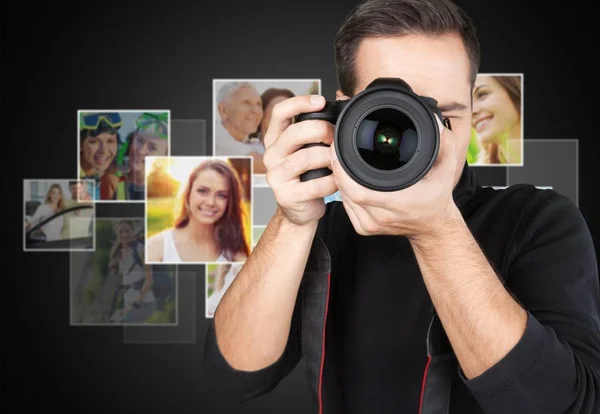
253 326
418 210
285 159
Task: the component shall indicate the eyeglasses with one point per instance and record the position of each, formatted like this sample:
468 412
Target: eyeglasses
154 124
91 121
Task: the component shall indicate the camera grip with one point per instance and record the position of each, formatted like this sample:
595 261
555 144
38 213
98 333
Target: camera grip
329 113
319 172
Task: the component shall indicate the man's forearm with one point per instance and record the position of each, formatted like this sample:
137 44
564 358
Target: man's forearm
252 321
482 320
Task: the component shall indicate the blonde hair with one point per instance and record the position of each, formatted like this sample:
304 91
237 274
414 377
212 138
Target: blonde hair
61 202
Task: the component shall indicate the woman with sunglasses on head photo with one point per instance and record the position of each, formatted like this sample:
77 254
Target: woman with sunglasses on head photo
210 220
98 145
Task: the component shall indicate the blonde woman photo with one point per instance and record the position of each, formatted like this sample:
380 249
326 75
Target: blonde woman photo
53 203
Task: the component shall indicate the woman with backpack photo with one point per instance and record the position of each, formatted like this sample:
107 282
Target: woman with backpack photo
127 257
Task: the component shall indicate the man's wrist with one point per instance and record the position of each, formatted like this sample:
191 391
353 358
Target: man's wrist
285 224
445 225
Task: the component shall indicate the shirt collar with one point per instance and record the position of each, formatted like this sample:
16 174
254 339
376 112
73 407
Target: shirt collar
466 187
244 140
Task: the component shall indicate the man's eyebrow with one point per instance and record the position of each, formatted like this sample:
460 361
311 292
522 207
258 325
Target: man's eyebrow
453 106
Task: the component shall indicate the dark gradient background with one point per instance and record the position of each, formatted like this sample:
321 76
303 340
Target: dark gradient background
58 58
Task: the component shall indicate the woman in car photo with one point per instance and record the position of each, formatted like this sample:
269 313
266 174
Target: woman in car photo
53 203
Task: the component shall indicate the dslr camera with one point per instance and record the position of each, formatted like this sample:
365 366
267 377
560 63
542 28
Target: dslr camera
386 137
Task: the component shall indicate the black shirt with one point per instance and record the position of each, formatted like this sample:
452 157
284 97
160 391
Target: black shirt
379 313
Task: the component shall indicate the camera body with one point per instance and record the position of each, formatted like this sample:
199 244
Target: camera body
386 137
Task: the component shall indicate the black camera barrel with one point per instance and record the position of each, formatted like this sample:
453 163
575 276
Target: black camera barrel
388 94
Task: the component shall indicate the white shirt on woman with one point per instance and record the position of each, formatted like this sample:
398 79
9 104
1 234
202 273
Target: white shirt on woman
213 301
52 229
170 254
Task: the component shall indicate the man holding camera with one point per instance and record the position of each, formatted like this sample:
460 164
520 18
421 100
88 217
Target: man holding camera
443 297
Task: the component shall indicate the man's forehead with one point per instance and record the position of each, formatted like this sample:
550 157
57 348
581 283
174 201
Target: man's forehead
247 92
432 66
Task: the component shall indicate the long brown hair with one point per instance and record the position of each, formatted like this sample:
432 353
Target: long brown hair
229 229
61 202
512 85
271 93
266 97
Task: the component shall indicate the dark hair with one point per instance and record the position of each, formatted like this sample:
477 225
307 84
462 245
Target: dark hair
271 93
103 127
512 85
266 97
389 18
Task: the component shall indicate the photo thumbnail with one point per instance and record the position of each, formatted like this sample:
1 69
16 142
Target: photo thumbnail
198 209
218 279
242 111
113 146
59 215
497 122
257 232
114 286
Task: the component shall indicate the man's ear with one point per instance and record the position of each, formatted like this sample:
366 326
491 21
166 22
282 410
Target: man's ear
222 112
340 96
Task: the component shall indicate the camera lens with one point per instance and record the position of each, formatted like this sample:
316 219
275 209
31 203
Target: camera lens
386 139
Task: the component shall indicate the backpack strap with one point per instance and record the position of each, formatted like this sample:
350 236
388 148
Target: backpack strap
137 260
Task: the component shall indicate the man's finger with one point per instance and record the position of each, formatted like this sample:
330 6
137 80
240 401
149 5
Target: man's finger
284 111
299 162
300 134
319 188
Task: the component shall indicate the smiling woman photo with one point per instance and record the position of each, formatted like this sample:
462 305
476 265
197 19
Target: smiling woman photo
53 203
98 146
149 138
497 118
210 219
